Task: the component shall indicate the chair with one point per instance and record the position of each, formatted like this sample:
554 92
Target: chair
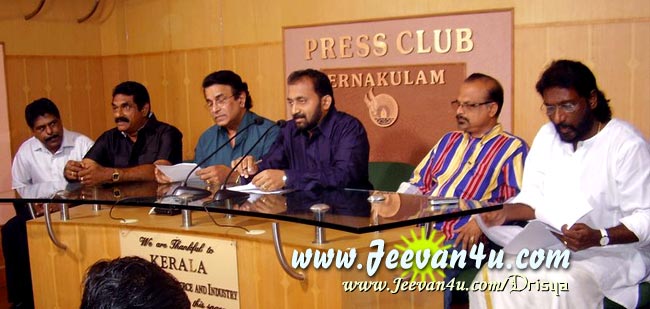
387 176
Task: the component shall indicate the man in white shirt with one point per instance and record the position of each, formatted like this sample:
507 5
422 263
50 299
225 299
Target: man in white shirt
41 158
581 158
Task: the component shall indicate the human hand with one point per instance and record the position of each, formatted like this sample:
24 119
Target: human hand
94 174
468 235
161 177
269 180
247 167
579 237
214 174
72 169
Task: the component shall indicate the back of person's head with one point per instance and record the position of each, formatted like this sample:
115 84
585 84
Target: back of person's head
135 89
495 91
39 108
574 75
131 282
320 81
230 78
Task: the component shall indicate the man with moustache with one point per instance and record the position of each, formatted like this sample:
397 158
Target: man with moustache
480 161
582 158
129 151
229 102
39 159
320 147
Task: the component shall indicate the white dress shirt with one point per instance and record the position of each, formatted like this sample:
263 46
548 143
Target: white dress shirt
34 163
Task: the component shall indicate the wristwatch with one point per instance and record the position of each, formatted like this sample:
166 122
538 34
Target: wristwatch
116 175
604 237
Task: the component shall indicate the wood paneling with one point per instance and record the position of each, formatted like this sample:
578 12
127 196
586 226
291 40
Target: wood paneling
172 49
74 84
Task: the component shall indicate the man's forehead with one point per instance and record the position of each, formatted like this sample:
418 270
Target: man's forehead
216 90
474 89
44 119
119 99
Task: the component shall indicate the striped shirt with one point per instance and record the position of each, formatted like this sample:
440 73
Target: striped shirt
488 168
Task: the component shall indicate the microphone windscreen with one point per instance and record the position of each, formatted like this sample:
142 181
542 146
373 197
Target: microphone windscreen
280 123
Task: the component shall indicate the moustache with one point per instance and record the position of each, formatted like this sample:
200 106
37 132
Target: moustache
459 118
297 116
121 119
51 138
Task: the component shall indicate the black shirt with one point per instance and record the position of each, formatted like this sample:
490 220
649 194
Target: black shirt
156 141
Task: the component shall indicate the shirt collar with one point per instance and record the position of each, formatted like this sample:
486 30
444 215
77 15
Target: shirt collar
65 143
495 131
246 120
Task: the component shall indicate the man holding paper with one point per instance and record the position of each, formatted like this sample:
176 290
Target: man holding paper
583 162
228 101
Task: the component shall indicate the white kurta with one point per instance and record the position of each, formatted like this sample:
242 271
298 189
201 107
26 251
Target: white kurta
610 172
34 163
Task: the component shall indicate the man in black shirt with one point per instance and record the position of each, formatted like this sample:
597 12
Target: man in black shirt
129 151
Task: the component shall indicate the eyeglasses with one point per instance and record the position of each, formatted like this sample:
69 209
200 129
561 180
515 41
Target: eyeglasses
566 107
220 101
467 105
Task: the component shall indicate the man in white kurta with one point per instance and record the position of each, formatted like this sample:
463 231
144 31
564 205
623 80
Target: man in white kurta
584 157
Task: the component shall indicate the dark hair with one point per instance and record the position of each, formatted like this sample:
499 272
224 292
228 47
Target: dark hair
231 79
135 89
131 282
495 92
320 81
39 108
577 76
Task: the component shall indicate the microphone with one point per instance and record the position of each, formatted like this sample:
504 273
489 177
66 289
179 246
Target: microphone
198 193
224 194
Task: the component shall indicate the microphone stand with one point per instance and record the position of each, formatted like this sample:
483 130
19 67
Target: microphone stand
228 196
193 193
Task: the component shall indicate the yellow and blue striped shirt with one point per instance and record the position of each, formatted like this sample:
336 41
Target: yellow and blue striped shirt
488 168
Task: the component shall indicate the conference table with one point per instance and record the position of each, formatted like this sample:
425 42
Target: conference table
342 248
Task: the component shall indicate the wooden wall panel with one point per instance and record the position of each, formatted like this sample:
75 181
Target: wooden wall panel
74 84
173 49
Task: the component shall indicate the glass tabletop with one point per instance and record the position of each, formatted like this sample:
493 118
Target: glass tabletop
350 210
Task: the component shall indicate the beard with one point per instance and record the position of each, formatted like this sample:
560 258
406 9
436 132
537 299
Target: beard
573 134
310 123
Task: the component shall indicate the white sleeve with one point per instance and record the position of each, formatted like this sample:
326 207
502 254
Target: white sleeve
20 170
633 182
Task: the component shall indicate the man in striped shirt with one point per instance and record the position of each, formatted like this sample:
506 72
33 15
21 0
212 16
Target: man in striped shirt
480 161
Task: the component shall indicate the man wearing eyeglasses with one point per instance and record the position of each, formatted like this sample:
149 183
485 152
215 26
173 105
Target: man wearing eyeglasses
229 102
480 161
582 159
129 151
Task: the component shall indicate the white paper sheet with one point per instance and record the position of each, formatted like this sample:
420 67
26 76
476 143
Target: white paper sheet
535 235
179 171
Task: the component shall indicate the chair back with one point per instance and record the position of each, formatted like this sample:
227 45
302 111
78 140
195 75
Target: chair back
387 176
